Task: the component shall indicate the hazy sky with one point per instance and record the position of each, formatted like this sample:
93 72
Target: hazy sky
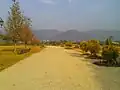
69 14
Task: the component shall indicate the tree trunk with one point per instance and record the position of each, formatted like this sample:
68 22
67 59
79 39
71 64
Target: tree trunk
15 47
25 44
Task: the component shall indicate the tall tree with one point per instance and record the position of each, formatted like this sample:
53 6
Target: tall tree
14 23
35 41
26 35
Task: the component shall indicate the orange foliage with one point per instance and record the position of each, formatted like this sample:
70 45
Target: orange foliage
35 40
26 34
35 49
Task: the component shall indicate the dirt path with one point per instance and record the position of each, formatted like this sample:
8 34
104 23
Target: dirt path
51 69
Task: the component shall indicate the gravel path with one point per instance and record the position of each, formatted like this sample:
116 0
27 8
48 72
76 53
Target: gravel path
51 69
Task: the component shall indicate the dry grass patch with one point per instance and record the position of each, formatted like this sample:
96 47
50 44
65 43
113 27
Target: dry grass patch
9 58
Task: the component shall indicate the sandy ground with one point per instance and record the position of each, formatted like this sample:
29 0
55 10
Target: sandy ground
51 69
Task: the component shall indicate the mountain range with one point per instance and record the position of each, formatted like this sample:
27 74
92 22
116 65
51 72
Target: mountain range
49 34
52 34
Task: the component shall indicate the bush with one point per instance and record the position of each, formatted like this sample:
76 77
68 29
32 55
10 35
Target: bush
68 47
42 46
110 53
62 45
22 51
94 47
35 49
76 46
68 44
84 46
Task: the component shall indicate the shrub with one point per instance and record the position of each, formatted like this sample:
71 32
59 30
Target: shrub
76 46
110 53
35 41
68 44
84 46
22 51
62 45
94 47
68 47
42 46
35 49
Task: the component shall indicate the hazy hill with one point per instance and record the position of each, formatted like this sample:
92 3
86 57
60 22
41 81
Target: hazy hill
72 35
50 34
45 34
76 35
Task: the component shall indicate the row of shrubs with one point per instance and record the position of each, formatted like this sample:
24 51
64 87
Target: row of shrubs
108 54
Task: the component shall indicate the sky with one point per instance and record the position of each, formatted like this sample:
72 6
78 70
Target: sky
69 14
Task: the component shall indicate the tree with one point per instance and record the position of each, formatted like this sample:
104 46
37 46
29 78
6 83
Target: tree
26 35
84 46
93 47
35 41
28 21
15 23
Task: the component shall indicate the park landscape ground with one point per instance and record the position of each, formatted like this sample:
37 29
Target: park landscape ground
56 68
25 64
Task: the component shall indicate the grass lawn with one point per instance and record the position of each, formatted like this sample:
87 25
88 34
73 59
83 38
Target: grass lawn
8 58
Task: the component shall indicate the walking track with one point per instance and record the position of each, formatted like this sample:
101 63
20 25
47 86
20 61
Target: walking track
51 69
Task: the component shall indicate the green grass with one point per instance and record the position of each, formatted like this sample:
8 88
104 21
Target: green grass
8 58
